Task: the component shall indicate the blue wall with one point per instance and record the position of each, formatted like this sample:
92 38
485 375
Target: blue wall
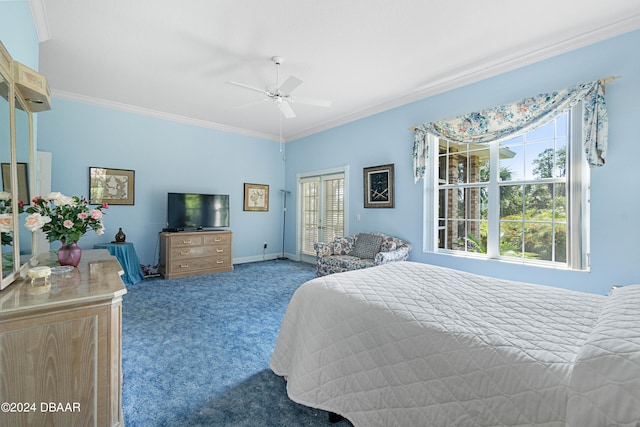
384 138
18 32
169 156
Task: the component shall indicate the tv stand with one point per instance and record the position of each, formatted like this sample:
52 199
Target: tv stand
192 253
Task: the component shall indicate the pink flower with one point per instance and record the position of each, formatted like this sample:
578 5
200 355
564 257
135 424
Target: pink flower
68 223
82 215
36 221
96 214
105 205
6 223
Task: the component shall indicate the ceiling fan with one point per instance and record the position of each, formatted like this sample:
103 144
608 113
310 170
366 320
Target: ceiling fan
281 95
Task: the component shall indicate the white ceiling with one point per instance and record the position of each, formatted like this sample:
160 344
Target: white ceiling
173 58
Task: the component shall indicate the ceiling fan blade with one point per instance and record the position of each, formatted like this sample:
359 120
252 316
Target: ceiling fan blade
255 89
311 101
249 104
289 85
286 110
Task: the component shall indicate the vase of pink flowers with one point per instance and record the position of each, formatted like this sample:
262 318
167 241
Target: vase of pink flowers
65 218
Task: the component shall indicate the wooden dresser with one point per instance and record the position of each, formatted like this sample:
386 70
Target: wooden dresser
191 253
61 350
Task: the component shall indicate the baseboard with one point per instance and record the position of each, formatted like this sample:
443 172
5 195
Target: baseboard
266 257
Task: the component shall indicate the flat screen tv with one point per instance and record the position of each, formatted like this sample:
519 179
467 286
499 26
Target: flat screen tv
190 211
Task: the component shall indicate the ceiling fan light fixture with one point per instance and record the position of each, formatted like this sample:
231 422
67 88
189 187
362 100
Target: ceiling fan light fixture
281 93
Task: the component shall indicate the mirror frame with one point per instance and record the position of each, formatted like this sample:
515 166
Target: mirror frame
6 69
26 253
32 92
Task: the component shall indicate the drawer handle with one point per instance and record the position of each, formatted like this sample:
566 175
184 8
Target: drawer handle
219 261
184 265
186 241
184 252
217 239
219 250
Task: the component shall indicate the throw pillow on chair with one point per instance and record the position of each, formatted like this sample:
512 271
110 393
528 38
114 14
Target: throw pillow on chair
366 246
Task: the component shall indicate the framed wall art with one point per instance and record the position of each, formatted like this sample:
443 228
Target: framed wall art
378 187
112 186
256 197
23 181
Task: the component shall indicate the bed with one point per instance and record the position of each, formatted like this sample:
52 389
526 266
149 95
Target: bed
411 344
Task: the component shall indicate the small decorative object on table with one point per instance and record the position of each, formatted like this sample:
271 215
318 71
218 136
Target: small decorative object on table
39 280
120 236
65 218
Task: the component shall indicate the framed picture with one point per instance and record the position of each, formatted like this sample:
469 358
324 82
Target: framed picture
23 181
378 187
112 186
256 197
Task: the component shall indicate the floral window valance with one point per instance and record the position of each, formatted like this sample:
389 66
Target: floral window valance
520 117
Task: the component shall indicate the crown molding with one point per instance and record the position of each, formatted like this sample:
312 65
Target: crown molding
482 70
471 73
39 14
69 96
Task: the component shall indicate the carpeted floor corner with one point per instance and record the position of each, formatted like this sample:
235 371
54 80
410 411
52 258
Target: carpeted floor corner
196 350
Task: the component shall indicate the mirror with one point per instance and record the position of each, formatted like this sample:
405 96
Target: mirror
23 169
6 230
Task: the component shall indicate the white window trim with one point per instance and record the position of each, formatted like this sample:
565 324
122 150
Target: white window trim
577 192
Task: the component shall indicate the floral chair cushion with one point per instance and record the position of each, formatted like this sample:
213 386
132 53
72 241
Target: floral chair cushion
337 263
342 245
388 245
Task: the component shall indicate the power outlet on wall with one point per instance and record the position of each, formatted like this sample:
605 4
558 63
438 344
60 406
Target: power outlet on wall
265 245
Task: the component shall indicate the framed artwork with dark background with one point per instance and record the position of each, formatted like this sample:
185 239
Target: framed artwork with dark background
378 186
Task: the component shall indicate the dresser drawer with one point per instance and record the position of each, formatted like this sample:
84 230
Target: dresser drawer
195 264
221 250
188 265
222 263
217 239
185 252
185 241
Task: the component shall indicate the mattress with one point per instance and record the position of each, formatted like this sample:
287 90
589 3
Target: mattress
410 344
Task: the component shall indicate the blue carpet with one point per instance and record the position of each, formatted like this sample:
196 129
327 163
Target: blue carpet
196 350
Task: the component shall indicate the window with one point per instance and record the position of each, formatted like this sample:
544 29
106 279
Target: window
523 199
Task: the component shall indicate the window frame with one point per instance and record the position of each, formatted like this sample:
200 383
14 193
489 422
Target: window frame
577 187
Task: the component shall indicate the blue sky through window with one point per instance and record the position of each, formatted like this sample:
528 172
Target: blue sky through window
527 148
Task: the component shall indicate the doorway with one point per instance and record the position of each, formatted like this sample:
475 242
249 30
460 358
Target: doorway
322 209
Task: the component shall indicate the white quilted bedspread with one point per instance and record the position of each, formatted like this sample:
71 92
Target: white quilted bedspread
409 344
